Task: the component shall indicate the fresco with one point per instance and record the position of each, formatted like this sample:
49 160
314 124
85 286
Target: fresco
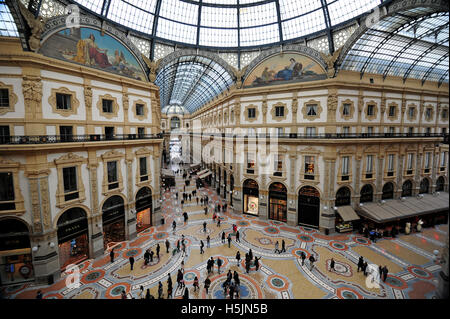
286 67
89 47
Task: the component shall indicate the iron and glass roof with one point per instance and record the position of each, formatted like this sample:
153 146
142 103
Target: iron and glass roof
228 23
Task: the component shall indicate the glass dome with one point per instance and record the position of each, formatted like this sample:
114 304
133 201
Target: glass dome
228 23
174 109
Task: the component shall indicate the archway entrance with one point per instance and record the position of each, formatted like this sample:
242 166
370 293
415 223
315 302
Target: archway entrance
15 252
143 209
175 123
388 191
278 202
366 194
440 184
407 189
343 197
250 192
424 186
73 237
308 206
113 220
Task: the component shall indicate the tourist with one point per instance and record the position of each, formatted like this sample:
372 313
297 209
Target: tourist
360 263
277 247
157 250
201 246
174 226
229 275
303 256
219 263
365 268
151 255
385 273
195 284
223 237
178 246
146 257
185 216
208 239
332 264
206 210
237 236
131 262
39 294
257 262
218 222
186 294
111 255
236 278
250 254
160 290
204 227
207 284
148 295
283 247
167 246
231 291
124 294
311 262
141 294
229 240
238 258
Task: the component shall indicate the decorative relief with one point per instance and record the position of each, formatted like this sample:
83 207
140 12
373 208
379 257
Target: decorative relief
32 89
12 99
88 96
35 205
74 103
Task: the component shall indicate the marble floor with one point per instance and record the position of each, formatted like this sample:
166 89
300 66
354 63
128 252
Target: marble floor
412 268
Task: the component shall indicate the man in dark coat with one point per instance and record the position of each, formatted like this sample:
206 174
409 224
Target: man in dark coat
131 262
167 246
219 263
111 255
385 273
360 263
283 246
303 255
157 250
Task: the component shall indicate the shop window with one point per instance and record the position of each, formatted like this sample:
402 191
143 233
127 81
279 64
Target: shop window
309 167
112 175
63 101
4 98
143 169
70 183
345 168
107 106
7 191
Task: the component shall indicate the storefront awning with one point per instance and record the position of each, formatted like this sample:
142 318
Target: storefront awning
195 165
205 174
347 213
167 172
396 209
202 172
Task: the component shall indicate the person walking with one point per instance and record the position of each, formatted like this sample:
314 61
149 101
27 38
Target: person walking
183 248
201 246
277 250
231 290
141 294
257 262
223 237
247 265
169 281
131 262
174 226
160 290
219 263
208 239
39 294
178 246
218 221
195 284
360 263
146 257
157 250
207 284
365 268
332 264
250 254
167 246
229 240
385 273
186 294
206 210
238 258
303 256
283 246
111 255
214 217
237 236
124 294
204 227
311 262
185 216
151 255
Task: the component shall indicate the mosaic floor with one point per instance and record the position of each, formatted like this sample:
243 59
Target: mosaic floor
409 258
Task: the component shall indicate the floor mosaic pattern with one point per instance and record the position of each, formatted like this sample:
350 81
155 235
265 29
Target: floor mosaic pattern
413 268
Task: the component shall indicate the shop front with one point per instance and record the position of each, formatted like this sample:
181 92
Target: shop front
143 209
73 237
278 202
113 220
15 252
250 192
309 206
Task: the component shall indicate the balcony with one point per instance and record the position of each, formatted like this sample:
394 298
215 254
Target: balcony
52 139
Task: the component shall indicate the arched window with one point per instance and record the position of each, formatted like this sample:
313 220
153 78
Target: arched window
407 189
175 123
440 184
388 191
278 202
366 194
343 196
424 186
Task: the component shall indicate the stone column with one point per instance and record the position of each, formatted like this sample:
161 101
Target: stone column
292 216
379 179
434 168
332 103
357 181
156 205
399 173
96 222
130 210
418 169
327 216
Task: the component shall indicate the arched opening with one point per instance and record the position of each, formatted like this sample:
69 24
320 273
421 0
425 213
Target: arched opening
224 185
424 186
343 197
250 192
175 123
407 189
231 189
278 202
308 206
366 194
73 237
15 252
440 184
144 209
388 191
113 220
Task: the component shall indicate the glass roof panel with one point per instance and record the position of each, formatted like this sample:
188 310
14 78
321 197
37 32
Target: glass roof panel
259 35
258 15
303 25
290 9
179 11
93 5
132 16
7 26
342 10
176 31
